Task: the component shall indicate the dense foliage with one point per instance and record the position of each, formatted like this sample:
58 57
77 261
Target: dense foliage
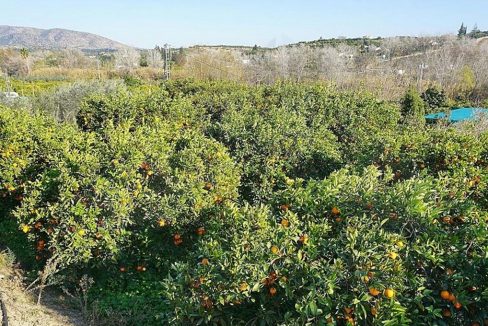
228 204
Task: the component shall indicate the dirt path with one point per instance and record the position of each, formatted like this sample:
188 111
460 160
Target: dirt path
22 309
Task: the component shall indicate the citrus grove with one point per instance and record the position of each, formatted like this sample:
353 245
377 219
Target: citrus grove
221 203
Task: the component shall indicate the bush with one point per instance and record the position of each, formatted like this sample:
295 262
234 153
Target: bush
64 103
434 98
413 108
218 203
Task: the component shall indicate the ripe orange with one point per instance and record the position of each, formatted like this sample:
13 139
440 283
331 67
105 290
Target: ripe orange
243 287
200 231
303 239
162 222
275 250
272 291
145 166
218 199
204 261
374 292
445 294
447 219
285 223
446 312
284 207
177 242
335 211
452 297
374 311
207 303
389 293
208 186
140 268
458 305
348 310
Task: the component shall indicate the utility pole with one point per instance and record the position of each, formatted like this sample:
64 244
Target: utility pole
422 67
167 61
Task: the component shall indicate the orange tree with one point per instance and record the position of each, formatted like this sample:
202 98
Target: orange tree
351 248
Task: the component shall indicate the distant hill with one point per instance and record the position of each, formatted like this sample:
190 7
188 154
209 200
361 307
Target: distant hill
35 38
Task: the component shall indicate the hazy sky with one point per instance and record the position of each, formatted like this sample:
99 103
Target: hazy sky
144 23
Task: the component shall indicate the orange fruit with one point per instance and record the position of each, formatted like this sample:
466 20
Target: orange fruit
348 310
446 312
374 311
284 207
445 294
393 255
207 303
162 222
140 268
303 239
285 223
200 231
272 291
177 242
275 250
452 297
122 269
447 219
389 293
335 211
204 261
218 199
458 305
243 287
208 186
374 292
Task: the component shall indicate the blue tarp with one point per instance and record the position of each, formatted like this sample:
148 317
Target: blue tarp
459 114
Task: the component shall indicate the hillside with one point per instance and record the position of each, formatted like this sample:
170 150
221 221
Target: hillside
34 38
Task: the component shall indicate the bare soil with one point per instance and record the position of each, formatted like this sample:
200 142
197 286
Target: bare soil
22 309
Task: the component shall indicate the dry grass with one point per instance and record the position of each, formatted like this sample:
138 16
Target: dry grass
21 307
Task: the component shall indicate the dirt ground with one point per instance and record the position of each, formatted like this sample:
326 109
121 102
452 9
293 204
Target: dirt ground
22 310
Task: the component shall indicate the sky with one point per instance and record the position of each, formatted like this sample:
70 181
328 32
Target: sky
145 23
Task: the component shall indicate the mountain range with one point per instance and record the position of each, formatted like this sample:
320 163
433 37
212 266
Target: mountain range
35 38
